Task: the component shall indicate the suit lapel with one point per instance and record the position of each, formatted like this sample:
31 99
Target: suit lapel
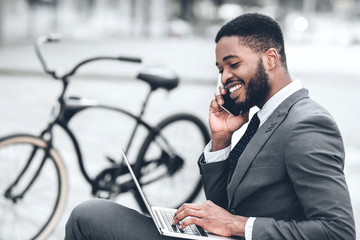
260 138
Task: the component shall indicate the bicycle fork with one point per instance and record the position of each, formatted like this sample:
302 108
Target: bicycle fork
9 191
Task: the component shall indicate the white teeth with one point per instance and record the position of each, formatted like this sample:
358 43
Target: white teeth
235 88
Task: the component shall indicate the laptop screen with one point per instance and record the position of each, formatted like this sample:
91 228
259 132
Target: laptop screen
137 184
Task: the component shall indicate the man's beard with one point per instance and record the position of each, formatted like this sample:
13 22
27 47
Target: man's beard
257 89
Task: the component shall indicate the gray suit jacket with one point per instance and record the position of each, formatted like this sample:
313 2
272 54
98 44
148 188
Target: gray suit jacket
290 176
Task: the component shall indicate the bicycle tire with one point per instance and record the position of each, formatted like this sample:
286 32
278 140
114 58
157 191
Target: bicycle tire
178 129
35 215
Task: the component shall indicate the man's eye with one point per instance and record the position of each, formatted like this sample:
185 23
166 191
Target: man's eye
234 65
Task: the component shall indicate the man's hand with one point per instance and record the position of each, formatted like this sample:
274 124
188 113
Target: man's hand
222 123
211 218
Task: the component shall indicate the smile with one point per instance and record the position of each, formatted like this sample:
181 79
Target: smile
234 88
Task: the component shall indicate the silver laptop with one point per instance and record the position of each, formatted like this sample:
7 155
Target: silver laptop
162 217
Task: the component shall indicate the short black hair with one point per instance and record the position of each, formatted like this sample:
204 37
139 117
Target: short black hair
256 31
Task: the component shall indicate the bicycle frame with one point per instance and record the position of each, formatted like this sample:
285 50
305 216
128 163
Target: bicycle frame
69 108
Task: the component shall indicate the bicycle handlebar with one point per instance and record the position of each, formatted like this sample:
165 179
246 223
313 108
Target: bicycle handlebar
53 37
40 41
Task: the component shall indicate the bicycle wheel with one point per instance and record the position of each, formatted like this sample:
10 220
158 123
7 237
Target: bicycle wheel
167 162
34 214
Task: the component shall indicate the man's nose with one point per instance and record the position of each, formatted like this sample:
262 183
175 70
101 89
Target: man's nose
226 76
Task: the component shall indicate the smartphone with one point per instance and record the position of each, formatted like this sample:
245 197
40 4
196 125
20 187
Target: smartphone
229 104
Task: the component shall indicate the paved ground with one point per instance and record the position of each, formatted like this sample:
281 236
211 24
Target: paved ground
26 96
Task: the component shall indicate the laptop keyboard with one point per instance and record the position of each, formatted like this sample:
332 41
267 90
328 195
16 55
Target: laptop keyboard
168 215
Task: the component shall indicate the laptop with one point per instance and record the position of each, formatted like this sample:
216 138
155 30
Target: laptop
162 217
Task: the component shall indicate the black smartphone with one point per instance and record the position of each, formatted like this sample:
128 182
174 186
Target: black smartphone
230 106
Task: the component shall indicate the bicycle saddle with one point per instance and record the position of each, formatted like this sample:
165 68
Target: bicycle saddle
159 78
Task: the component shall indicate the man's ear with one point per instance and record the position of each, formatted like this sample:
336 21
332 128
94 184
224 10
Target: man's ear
272 58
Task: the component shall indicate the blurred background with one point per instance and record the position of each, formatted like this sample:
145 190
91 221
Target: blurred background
322 45
304 20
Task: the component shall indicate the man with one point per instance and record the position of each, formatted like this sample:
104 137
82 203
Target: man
283 180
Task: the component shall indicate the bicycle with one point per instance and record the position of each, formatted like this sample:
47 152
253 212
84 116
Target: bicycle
33 177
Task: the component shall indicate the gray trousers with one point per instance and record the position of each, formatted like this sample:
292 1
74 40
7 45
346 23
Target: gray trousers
103 219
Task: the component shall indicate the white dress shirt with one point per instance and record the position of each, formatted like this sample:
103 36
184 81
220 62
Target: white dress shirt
263 114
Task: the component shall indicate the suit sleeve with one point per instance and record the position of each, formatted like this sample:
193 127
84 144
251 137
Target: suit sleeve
214 178
314 158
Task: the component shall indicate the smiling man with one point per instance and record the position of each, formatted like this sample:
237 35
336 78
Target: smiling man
284 178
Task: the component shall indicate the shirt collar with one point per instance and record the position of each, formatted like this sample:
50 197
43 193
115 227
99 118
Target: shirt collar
275 101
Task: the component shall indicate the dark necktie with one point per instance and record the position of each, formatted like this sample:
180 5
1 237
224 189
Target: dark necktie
241 145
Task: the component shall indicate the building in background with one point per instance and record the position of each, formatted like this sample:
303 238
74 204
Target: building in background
22 20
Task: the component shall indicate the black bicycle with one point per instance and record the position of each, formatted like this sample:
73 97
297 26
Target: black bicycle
33 177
